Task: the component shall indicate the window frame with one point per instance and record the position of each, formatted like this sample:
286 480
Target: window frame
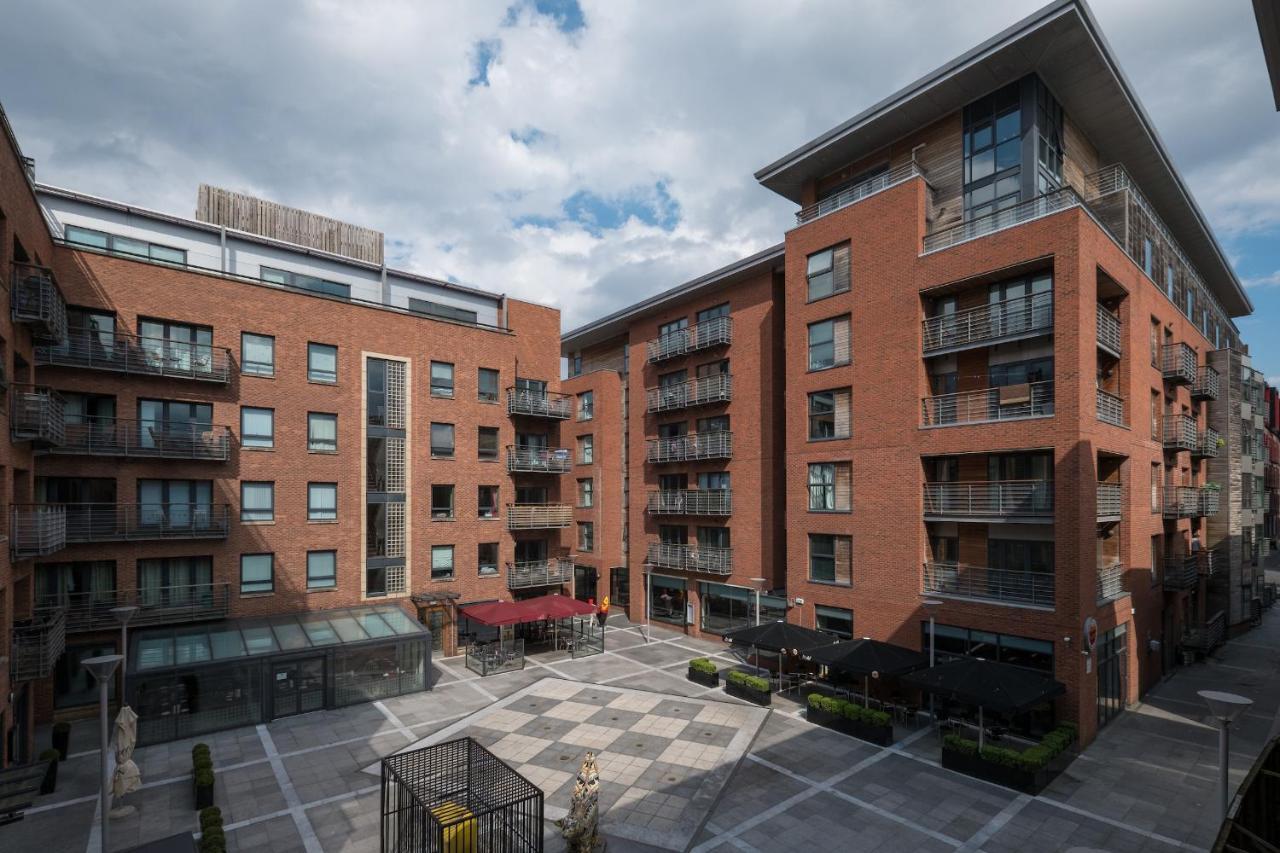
453 565
481 394
270 510
320 376
441 390
319 417
263 369
495 510
587 536
255 441
586 449
480 561
444 512
312 512
833 556
484 454
438 451
586 492
317 582
271 576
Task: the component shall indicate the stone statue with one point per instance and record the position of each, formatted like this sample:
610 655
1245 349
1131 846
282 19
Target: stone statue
580 827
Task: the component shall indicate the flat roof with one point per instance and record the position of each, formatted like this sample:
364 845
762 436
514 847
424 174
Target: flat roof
1063 44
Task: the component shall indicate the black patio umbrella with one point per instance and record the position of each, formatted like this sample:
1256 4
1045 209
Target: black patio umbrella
778 637
988 684
867 657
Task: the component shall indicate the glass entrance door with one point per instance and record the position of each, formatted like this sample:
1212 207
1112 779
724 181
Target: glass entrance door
1113 673
297 687
619 587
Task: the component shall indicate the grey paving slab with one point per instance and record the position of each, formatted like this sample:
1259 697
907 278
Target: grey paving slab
657 654
277 835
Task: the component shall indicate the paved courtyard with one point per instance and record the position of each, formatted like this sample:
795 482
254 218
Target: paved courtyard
684 767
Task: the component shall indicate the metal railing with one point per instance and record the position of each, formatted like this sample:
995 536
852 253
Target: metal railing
1110 501
37 301
1036 208
112 522
37 644
1207 636
704 335
690 502
145 439
1109 331
528 573
857 192
688 448
1002 586
1178 364
538 460
693 558
1207 444
700 391
1206 385
989 499
1181 572
986 406
538 516
488 659
37 531
985 324
1209 501
1110 408
539 404
1180 433
37 414
1181 501
118 352
161 605
1110 582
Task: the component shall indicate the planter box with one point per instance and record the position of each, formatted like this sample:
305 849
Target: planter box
707 679
204 796
61 742
881 735
758 697
1010 777
50 781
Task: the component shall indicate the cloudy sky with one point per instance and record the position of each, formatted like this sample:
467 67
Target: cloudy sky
583 153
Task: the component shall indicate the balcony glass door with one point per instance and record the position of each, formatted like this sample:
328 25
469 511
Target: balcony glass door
1113 673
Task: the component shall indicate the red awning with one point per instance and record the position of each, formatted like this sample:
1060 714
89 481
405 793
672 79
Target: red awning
530 610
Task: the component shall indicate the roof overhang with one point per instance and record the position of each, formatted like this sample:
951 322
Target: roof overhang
1268 14
1064 45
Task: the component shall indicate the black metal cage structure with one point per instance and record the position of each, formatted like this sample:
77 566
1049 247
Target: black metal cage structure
458 797
1253 821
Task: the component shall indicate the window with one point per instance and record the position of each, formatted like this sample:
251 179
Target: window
441 379
1155 342
257 427
322 501
322 363
257 573
713 537
124 245
586 405
575 364
713 480
487 385
441 562
1155 487
992 152
487 502
322 569
1157 555
1169 285
447 312
487 558
829 414
487 443
673 327
586 449
1019 372
257 501
830 558
1156 434
441 441
828 272
830 487
322 432
441 502
835 621
715 312
586 536
257 354
829 343
1148 262
585 492
305 282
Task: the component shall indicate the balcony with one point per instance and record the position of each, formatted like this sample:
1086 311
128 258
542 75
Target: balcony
538 460
693 447
857 192
539 404
1181 572
691 558
702 391
37 301
37 531
166 605
1178 364
1207 444
110 522
37 415
37 644
690 502
1110 408
1036 208
1010 320
1023 588
1207 635
121 437
116 352
1180 433
715 332
1108 332
1206 385
990 405
1209 501
538 516
1110 582
1181 502
1110 501
530 573
1007 500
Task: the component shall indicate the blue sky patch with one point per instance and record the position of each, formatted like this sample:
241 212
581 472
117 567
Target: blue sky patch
567 14
486 53
528 136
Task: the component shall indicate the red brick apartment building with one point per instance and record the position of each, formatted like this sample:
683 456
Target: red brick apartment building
975 383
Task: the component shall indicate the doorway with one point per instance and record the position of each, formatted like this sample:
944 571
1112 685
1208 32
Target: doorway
619 587
297 687
585 579
1113 673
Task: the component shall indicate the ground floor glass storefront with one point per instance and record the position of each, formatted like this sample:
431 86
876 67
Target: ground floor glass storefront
725 607
667 599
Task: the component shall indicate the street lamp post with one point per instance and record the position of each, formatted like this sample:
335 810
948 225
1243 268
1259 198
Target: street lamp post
648 602
123 614
102 668
1225 708
758 583
930 604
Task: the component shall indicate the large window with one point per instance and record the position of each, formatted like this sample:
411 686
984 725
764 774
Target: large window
586 449
322 501
315 284
442 502
725 607
441 562
993 152
176 346
123 245
322 569
487 385
441 441
487 443
1020 555
487 558
667 599
586 492
322 363
836 621
586 405
257 573
441 379
951 641
830 558
173 579
447 312
827 272
322 432
829 414
586 536
487 501
1018 372
829 343
257 501
830 487
257 354
257 427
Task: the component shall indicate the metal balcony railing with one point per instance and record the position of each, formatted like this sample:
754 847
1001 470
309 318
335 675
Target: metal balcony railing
1001 586
111 522
692 558
1110 501
37 643
1036 208
1209 501
539 404
857 192
989 499
1207 444
529 573
701 391
690 448
1006 403
1180 433
37 531
711 333
1178 364
1109 332
1110 582
538 460
145 439
1181 502
538 516
117 352
1181 572
36 300
164 605
1206 385
37 415
1207 636
1110 408
1021 316
690 502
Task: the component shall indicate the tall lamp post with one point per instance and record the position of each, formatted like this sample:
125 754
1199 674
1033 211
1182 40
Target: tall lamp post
758 583
1225 708
102 669
123 614
931 604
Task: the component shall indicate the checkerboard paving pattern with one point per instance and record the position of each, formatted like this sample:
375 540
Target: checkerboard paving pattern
517 749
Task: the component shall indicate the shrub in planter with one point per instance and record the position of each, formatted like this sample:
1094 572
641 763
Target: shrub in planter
62 739
212 837
749 687
1028 770
851 718
704 671
212 816
204 787
50 781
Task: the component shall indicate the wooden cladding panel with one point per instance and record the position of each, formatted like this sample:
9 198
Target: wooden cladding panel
229 209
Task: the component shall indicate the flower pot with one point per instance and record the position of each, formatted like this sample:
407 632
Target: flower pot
757 697
61 739
50 780
706 679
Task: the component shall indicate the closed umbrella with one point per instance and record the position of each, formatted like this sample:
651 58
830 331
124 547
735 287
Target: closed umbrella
126 779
